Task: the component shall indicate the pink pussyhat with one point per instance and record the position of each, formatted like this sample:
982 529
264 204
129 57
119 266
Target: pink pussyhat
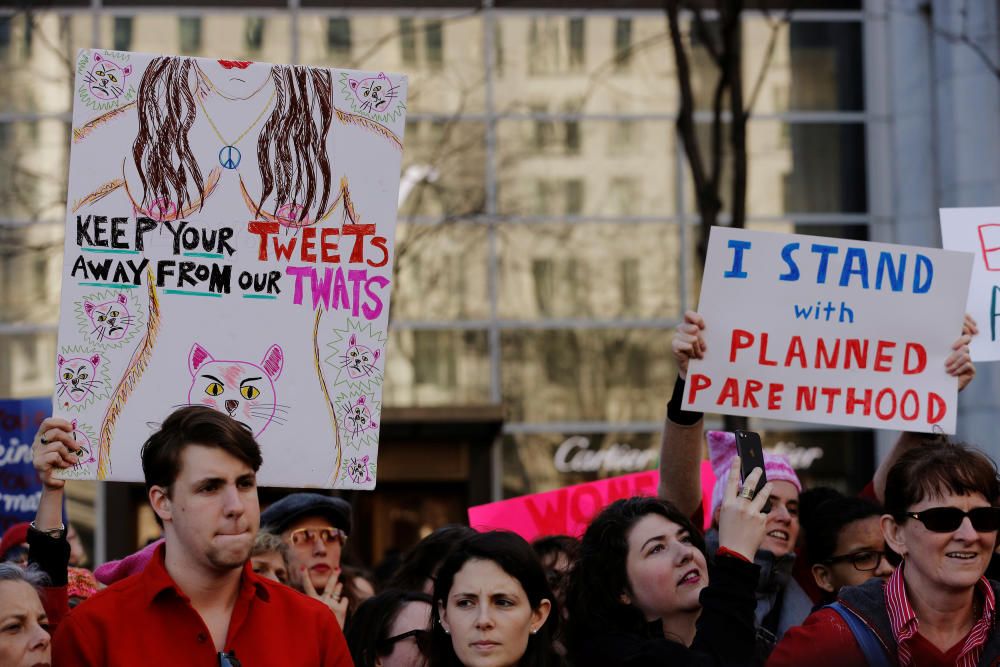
722 451
135 563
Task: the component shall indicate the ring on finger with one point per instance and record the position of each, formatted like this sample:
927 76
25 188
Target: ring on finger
747 492
42 440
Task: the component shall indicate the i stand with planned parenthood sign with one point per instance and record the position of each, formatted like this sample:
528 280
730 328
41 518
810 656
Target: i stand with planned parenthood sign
829 331
229 243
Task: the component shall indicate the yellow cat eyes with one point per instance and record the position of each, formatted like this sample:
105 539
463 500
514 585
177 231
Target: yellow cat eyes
248 392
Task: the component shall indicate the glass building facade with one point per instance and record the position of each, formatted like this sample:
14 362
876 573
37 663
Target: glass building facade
547 220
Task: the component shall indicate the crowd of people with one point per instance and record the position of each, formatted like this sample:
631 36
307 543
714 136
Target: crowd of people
898 575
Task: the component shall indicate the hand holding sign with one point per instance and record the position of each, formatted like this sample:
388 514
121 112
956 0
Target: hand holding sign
688 342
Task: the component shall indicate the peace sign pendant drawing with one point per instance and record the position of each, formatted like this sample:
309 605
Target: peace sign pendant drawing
229 157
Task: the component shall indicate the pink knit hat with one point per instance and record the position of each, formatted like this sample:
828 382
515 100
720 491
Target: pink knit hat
135 563
722 451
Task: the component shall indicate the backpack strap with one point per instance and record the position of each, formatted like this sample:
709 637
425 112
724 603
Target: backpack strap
870 645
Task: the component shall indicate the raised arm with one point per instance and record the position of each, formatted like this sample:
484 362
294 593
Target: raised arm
958 364
683 431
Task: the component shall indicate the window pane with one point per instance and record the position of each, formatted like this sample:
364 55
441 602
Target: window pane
618 375
262 38
440 272
33 159
338 38
600 63
815 66
443 58
798 168
537 462
590 271
121 37
37 54
30 273
443 169
436 367
589 168
27 364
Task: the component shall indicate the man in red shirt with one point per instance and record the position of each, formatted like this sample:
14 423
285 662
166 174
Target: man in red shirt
198 601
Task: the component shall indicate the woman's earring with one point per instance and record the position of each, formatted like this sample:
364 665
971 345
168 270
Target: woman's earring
535 631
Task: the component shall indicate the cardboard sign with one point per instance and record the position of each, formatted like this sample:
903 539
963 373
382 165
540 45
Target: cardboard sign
20 487
229 243
977 230
568 511
829 331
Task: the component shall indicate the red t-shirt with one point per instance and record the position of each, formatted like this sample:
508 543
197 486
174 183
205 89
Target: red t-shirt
146 620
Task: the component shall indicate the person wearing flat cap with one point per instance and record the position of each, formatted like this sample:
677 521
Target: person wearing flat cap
315 527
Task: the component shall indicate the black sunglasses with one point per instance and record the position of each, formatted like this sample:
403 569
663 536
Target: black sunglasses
948 519
229 660
863 561
421 636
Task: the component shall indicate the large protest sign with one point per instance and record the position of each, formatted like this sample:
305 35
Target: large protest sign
977 230
20 487
569 510
229 243
829 331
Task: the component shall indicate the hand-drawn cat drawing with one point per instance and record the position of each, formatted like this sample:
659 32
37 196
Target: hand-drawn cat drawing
77 377
358 419
111 319
85 449
357 469
375 93
106 79
359 360
241 389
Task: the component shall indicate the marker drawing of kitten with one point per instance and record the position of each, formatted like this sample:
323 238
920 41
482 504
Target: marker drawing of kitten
242 389
359 360
77 381
375 93
106 79
111 319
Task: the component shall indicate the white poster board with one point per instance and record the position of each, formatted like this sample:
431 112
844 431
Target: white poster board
977 230
229 242
829 331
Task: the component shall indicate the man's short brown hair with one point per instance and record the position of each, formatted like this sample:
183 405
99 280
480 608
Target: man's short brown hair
194 425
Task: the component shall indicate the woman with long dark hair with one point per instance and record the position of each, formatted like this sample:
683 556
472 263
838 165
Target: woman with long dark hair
493 606
640 593
391 629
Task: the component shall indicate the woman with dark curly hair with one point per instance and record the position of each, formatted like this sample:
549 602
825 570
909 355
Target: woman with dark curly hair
493 606
640 593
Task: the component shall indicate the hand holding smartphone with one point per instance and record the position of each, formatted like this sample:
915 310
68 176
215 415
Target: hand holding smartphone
751 453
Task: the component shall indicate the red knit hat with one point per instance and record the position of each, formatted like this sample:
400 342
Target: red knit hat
15 536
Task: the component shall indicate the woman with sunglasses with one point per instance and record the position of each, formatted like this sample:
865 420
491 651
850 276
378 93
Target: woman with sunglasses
493 606
936 608
391 629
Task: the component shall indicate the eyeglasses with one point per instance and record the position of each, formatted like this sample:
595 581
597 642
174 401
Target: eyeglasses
948 519
422 638
309 535
863 561
229 660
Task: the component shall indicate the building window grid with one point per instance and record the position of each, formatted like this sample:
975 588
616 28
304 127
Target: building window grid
684 218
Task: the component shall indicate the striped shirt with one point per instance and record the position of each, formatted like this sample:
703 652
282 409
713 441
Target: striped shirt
905 624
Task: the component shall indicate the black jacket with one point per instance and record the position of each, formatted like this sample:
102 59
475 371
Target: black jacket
725 630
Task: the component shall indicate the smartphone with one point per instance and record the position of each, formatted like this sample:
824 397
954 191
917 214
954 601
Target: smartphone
752 456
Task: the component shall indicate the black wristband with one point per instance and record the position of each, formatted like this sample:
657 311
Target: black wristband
51 554
678 414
